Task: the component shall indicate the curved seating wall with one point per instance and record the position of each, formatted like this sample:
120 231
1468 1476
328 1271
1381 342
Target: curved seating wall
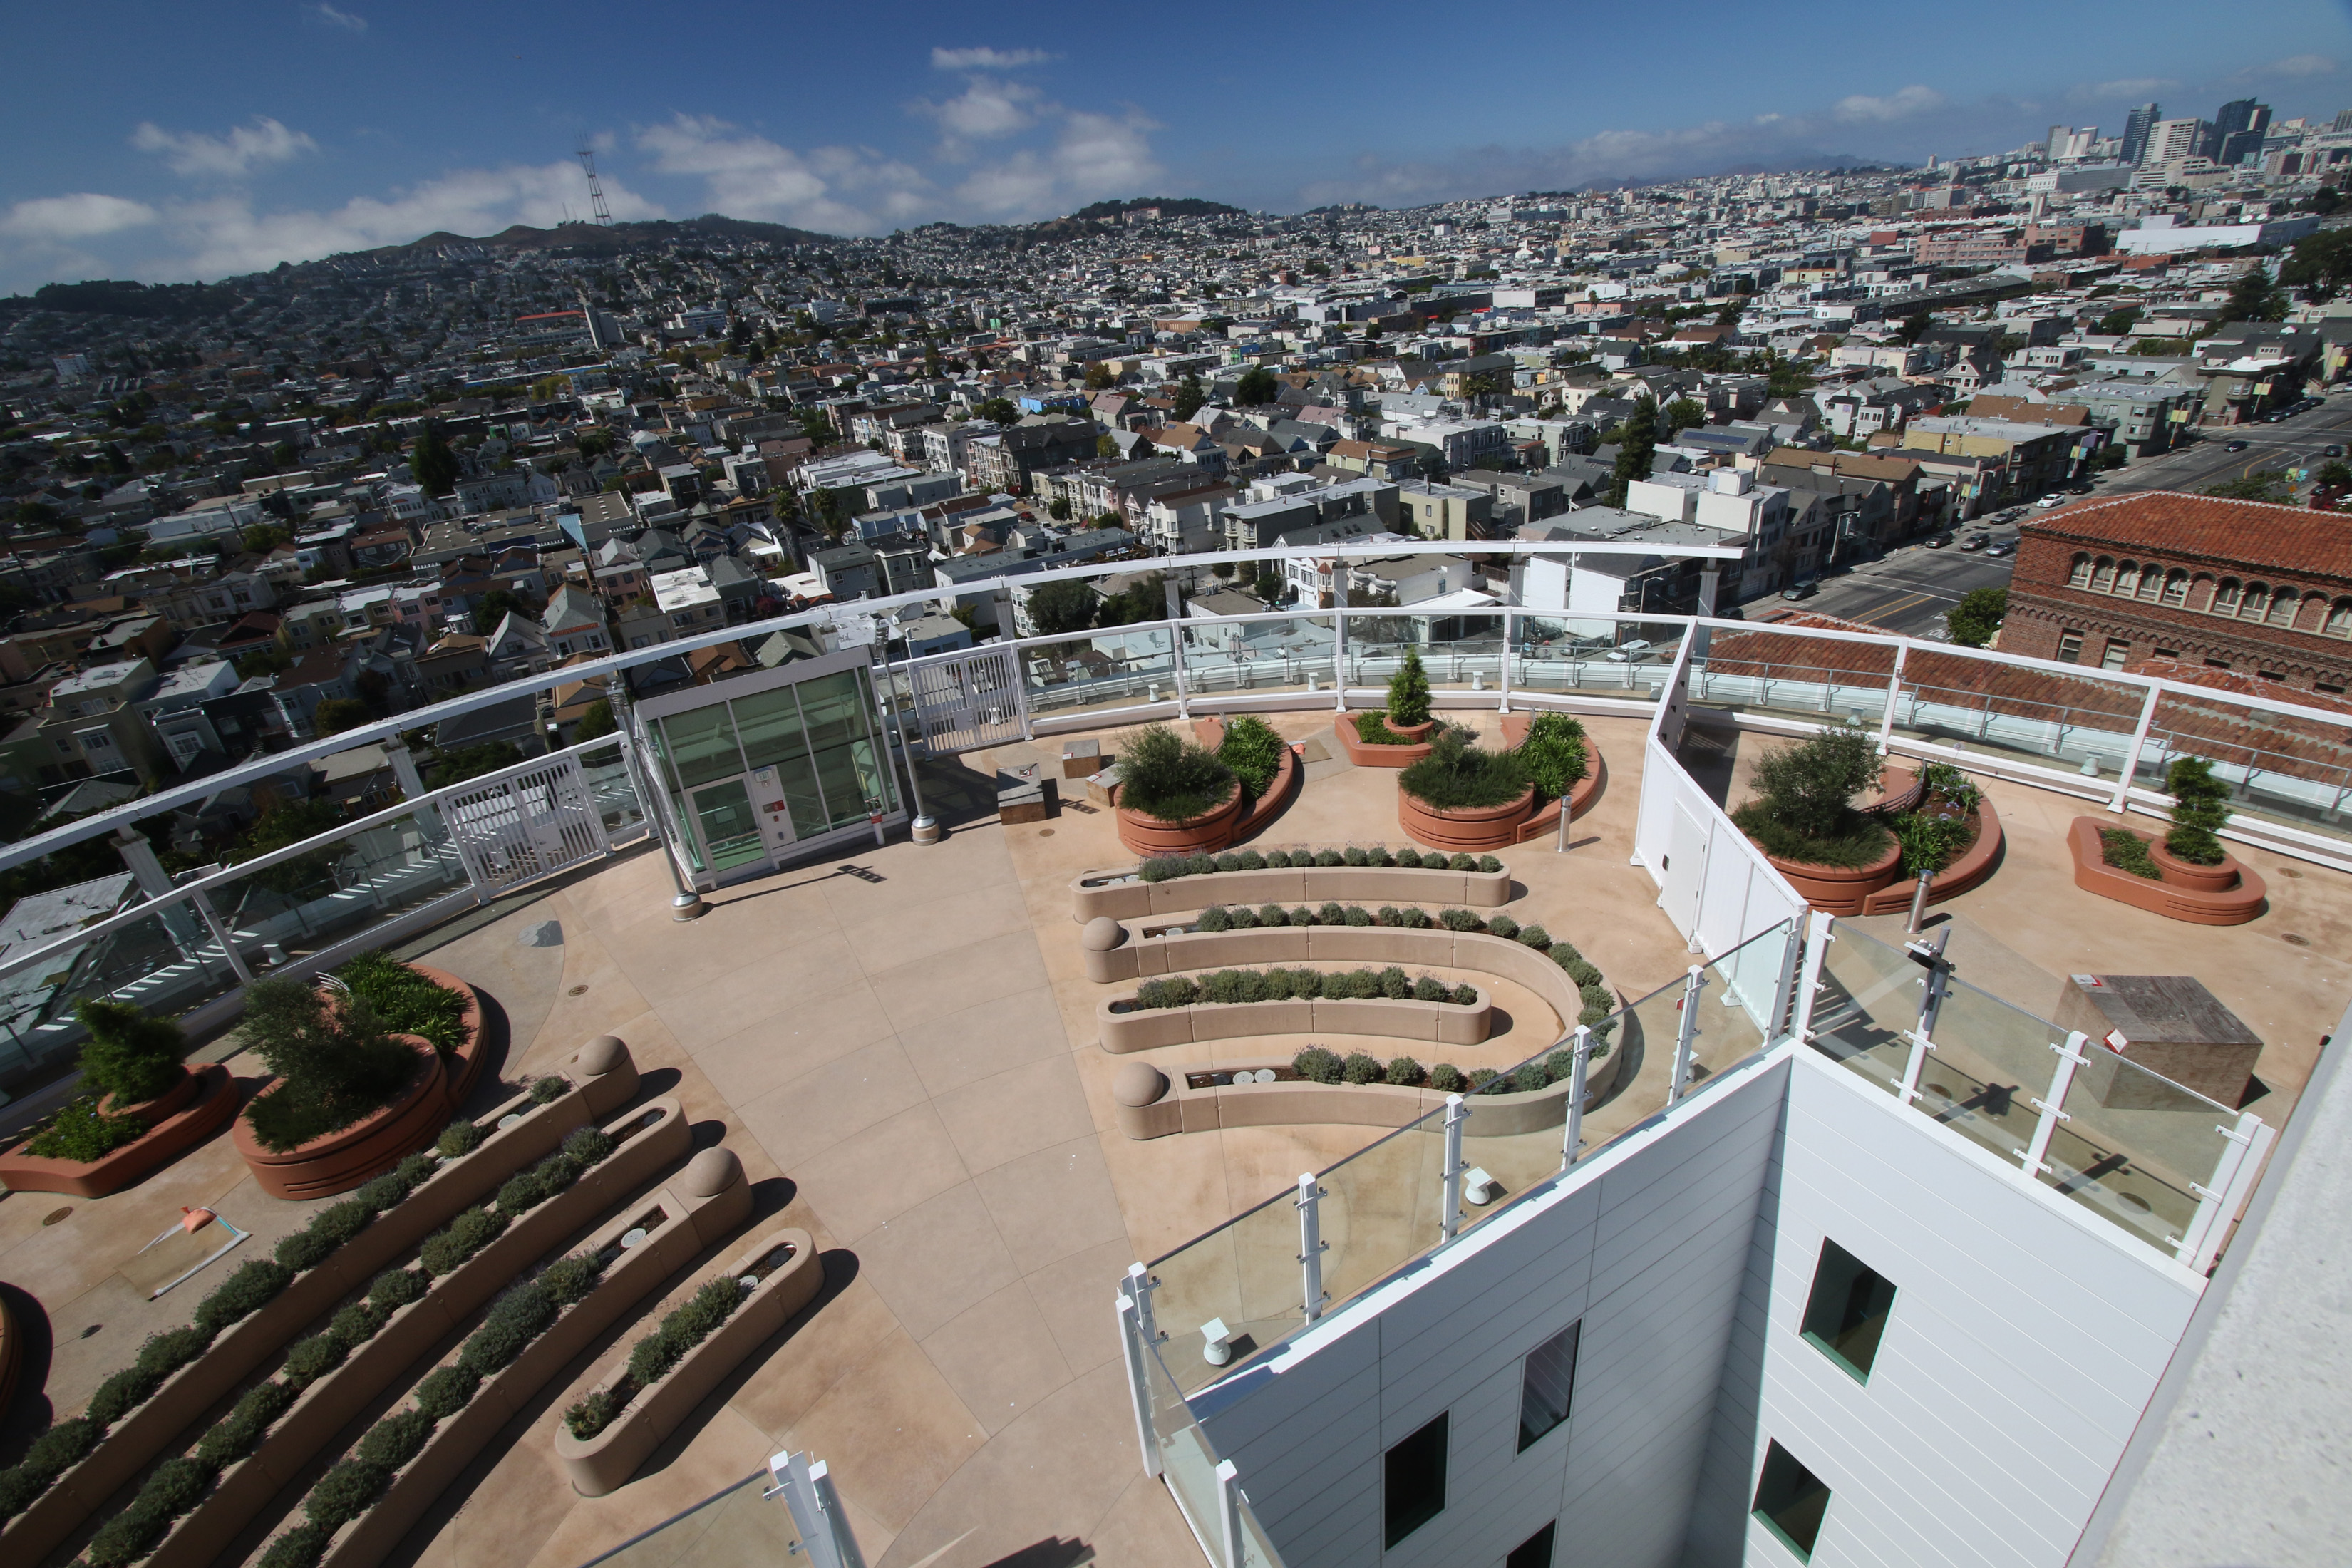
1132 899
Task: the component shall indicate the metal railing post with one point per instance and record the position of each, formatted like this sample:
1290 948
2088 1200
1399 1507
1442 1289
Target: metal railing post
1571 1138
2131 754
1229 1512
1894 691
1176 647
1784 985
2250 1140
1340 636
1687 1032
223 935
1821 930
1929 956
803 1485
1310 1247
2045 1125
1139 1378
1503 674
1449 1215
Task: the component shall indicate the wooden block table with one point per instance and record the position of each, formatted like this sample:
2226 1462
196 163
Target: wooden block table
1024 794
1082 759
2169 1023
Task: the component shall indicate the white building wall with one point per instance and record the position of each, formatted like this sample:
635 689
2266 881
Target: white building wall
2025 1340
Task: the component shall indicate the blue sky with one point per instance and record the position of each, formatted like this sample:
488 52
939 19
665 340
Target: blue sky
167 142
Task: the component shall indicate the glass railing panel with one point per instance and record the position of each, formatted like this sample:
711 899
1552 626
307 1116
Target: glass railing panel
1813 677
1187 1463
2285 770
1245 1275
1990 1067
737 1528
1119 668
2134 1147
1459 652
1867 1006
1224 657
330 894
2033 715
1737 991
614 792
1381 1207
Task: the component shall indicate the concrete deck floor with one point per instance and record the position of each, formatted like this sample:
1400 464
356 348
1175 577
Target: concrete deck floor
908 1068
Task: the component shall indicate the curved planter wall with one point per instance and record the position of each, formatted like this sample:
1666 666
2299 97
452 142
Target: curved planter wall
1205 833
1839 890
337 1161
1969 870
206 1099
677 1226
603 1078
603 1462
1401 1018
1466 830
1367 756
463 1067
2233 906
1123 896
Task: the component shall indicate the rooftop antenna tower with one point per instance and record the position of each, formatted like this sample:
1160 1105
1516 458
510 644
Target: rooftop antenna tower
595 187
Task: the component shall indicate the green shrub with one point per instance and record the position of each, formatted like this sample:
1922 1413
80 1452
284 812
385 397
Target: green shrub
1428 988
1354 856
357 1323
445 1392
50 1456
1404 1072
1251 860
165 1353
1413 918
2127 852
1503 926
547 1090
1486 863
460 1239
303 1251
255 1285
394 1440
1554 755
1582 973
1942 781
2199 811
592 1414
1360 1066
492 1346
344 1493
1805 807
1244 918
1409 857
1230 985
1446 1078
1535 937
1561 1066
1227 861
407 1002
1302 916
237 1434
396 1287
1395 984
589 1146
1252 750
1330 914
1272 915
1327 857
1928 843
1280 859
1171 779
334 1065
1371 732
128 1054
1457 775
1161 868
1460 920
131 1534
1215 918
651 1358
567 1279
340 1222
312 1359
1316 1065
120 1394
460 1139
1528 1077
1465 996
1409 692
527 1308
1200 865
1387 915
1357 915
1175 991
1481 1077
80 1132
301 1547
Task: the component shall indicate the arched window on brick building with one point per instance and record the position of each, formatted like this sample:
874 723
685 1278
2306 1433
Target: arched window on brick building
2151 581
2258 599
2226 598
2283 603
2102 579
2176 587
2339 619
2080 577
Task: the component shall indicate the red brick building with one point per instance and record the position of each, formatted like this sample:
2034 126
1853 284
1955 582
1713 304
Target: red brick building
2262 591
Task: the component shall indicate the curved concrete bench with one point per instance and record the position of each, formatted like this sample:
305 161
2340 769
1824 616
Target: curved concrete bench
2196 905
1397 1017
1124 896
1149 1103
603 1462
603 1078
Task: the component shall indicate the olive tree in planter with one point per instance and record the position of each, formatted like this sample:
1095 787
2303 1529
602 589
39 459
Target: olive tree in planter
1175 796
129 1065
1461 797
1805 821
335 1063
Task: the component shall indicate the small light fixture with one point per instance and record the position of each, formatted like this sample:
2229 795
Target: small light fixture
1216 1342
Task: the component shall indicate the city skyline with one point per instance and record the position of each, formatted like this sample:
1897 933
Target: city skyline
277 134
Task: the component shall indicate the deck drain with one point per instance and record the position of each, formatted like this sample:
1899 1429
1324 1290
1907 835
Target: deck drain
1045 833
577 991
2294 940
55 1214
91 1329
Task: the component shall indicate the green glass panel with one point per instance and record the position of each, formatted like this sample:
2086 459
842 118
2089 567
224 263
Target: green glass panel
729 828
848 765
702 747
769 727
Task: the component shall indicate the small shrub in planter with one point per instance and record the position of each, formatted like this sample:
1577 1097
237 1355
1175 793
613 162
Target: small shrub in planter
1413 918
1554 755
567 1279
80 1130
547 1090
1409 692
396 1287
1371 732
491 1347
1395 984
1316 1065
1200 865
301 1547
237 1434
1480 1078
1162 868
1465 996
1460 920
1446 1078
1357 915
1404 1072
120 1394
1360 1067
2127 852
1215 918
1244 918
1503 926
1176 991
1251 860
1535 937
2199 811
1252 750
1409 857
1598 1004
1465 863
357 1323
344 1493
406 1002
1171 779
1278 858
1561 1066
1428 988
1303 916
1804 808
1272 915
1458 775
458 1240
1327 857
168 1352
589 1146
446 1392
396 1440
1232 985
1330 914
592 1414
460 1139
312 1359
1352 856
1530 1077
1228 861
1486 863
128 1054
334 1065
1386 915
254 1286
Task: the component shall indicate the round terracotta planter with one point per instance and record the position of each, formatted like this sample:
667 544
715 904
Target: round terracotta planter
1840 889
1365 754
1203 834
1465 829
2188 874
340 1161
183 1089
464 1066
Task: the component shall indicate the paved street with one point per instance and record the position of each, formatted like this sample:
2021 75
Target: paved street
2292 443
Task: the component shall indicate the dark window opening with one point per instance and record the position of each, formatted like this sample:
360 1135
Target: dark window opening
1845 1314
1546 1385
1415 1492
1790 1501
1535 1552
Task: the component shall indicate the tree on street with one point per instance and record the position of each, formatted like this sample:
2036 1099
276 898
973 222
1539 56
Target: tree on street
1977 617
1634 447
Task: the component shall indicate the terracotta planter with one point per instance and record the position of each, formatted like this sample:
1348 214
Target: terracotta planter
182 1091
1203 834
1840 889
2188 874
2243 899
1461 830
462 1068
1383 756
340 1161
191 1111
1970 869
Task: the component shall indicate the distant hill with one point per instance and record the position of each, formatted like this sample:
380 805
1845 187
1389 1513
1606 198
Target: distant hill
613 238
109 297
1170 206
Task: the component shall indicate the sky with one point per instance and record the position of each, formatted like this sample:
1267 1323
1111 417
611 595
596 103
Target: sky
169 141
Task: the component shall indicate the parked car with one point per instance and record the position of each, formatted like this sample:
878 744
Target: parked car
2234 446
1802 588
2046 502
1629 653
2006 547
2332 449
1976 541
1937 541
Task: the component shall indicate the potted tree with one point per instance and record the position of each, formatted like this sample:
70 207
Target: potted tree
350 1099
2187 875
1400 735
143 1107
2190 854
1175 796
1463 798
1804 819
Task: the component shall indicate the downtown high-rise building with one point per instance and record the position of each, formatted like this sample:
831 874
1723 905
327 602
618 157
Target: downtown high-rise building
2135 129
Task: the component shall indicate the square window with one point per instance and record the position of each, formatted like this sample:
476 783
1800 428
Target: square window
1535 1552
1845 1313
1415 1474
2069 647
1790 1501
1546 1384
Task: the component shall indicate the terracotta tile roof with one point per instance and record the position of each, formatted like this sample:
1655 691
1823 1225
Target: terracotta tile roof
2252 535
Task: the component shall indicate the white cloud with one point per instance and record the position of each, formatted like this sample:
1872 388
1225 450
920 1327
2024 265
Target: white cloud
82 216
1902 105
343 19
2129 87
988 59
230 156
833 189
1092 156
2297 66
987 108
